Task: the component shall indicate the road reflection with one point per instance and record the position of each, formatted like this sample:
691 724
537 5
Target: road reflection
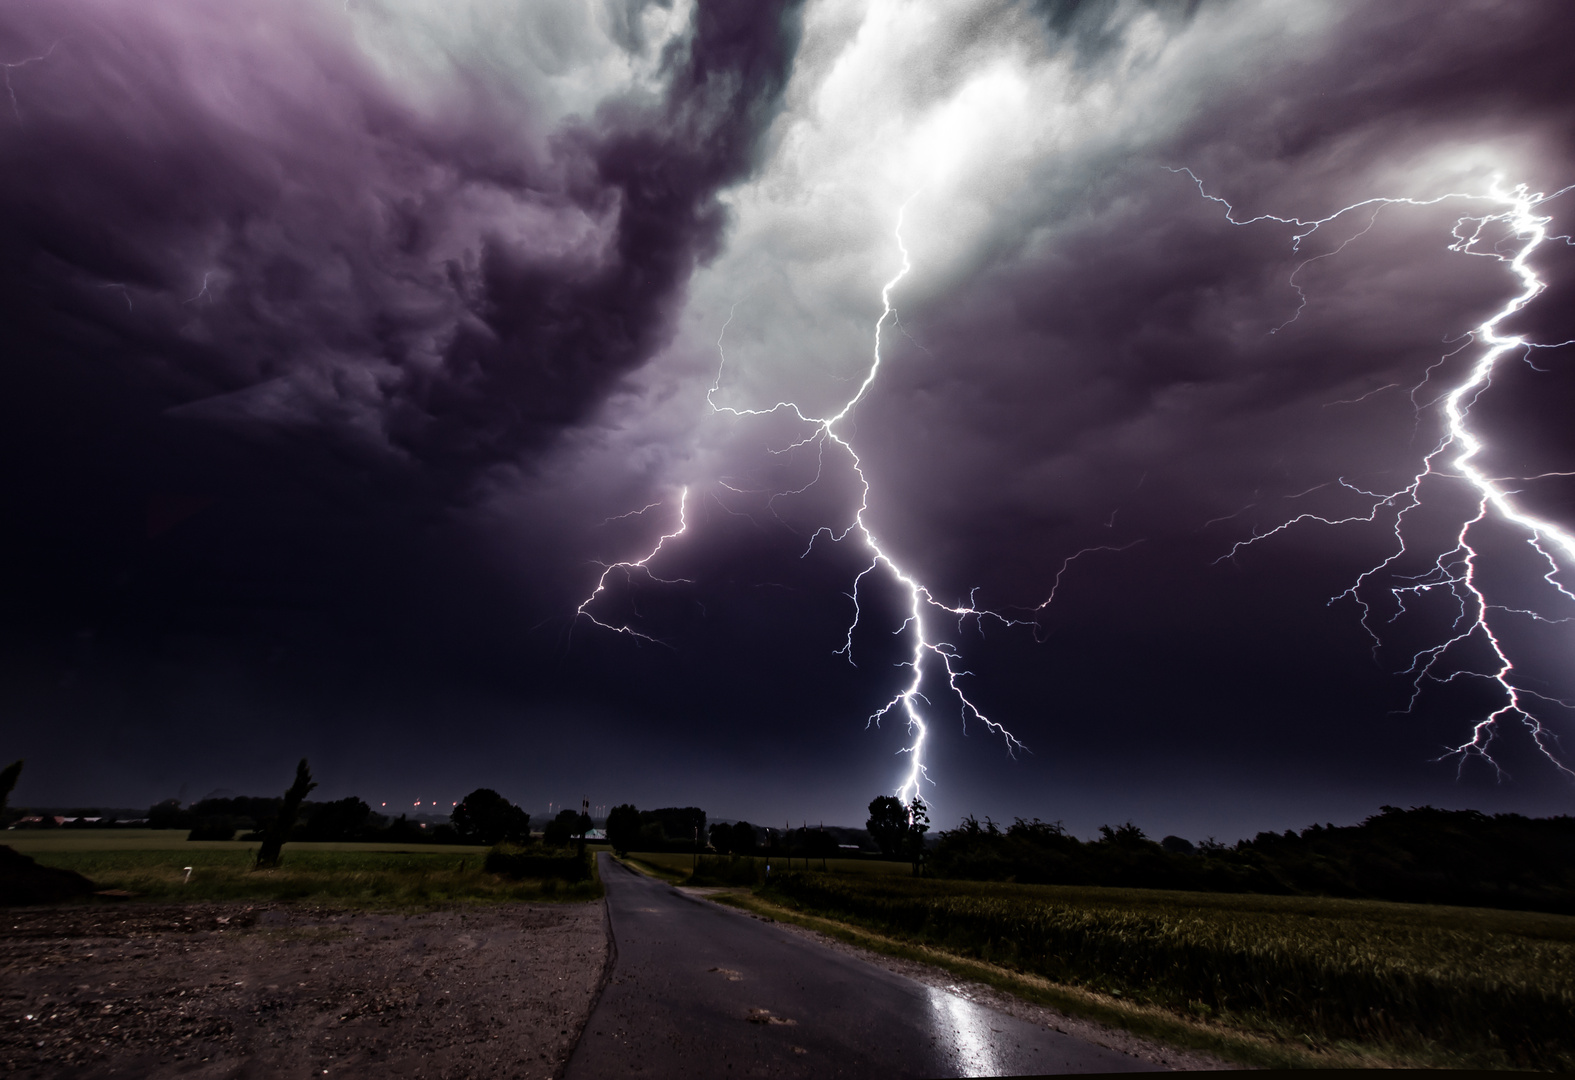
966 1027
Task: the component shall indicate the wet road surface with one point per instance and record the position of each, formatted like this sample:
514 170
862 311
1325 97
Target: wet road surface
702 991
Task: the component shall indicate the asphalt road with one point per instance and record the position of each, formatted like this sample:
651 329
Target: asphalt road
699 991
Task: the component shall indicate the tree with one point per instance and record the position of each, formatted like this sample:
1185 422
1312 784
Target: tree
722 838
8 777
888 824
1125 836
561 829
743 838
342 820
485 817
623 827
913 836
278 830
169 815
672 827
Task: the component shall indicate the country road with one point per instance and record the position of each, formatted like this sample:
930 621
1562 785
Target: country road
699 990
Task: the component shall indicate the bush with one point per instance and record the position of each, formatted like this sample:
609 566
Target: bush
213 828
512 862
732 870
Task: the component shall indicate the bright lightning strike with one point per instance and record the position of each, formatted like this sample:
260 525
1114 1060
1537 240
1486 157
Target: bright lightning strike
929 651
927 647
1452 460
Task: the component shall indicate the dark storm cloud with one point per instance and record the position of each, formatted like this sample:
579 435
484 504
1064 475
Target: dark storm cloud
268 311
426 281
1135 331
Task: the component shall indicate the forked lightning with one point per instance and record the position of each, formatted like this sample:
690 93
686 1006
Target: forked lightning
1454 460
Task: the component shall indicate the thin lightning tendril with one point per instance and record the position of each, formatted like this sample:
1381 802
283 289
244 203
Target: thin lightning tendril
16 109
643 565
1456 569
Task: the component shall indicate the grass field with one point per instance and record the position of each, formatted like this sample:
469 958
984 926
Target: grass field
1417 984
151 864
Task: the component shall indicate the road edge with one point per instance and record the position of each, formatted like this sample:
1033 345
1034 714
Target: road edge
601 983
1229 1049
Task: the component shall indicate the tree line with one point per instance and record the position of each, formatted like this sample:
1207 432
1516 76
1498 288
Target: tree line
1420 855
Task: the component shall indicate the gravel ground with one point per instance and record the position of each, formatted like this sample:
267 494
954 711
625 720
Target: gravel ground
229 990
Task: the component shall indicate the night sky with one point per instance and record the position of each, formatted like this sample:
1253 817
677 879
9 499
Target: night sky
345 344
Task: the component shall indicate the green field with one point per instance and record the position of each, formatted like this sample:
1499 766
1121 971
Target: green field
1437 985
151 864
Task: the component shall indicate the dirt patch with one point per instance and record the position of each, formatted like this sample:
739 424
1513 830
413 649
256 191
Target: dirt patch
230 990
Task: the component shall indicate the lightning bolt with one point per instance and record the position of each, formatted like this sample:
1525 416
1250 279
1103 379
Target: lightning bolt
827 432
16 109
929 651
1452 461
643 565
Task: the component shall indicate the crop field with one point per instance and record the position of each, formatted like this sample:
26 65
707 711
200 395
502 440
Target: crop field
152 866
1473 987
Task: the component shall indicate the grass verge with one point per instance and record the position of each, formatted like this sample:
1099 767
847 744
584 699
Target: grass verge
1278 981
1244 1048
343 876
645 865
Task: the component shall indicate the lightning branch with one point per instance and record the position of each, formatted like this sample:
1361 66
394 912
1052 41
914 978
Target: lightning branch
1455 570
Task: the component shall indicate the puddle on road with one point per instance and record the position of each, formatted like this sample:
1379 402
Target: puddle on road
970 1030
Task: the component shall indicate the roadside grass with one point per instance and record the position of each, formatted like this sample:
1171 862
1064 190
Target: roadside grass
350 875
649 865
1271 981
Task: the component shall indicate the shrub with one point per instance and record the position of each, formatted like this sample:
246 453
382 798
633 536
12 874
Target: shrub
513 862
213 828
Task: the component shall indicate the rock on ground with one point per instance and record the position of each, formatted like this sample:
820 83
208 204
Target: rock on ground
230 990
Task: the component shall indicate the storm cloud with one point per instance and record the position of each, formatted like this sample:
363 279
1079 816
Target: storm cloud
344 348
